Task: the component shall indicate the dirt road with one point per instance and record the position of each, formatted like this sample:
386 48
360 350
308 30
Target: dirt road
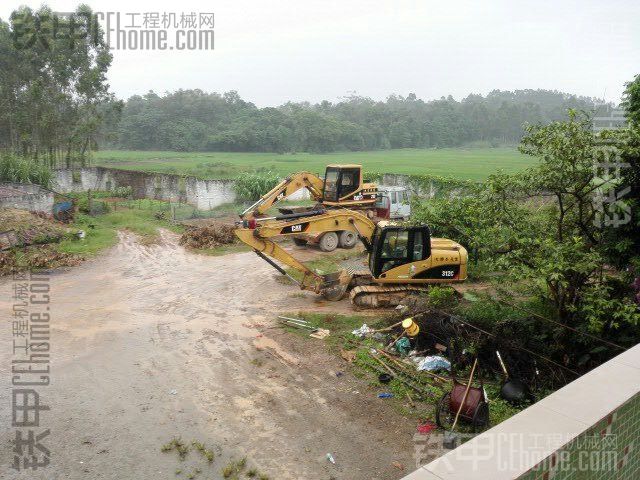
152 342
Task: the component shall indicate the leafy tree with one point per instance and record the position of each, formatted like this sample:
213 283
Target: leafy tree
53 90
539 228
631 100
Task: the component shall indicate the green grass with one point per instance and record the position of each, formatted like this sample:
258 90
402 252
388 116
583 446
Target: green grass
461 163
339 325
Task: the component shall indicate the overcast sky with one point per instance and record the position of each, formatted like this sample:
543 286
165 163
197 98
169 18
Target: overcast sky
275 51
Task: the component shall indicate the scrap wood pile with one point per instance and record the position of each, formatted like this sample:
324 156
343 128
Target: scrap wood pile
209 236
25 240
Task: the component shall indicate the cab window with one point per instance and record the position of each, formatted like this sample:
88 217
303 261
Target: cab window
395 244
349 181
419 252
398 246
394 249
331 184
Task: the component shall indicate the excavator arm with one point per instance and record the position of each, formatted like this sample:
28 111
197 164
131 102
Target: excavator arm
261 240
284 189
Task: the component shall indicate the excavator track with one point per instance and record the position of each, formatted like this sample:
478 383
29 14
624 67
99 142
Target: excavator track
375 296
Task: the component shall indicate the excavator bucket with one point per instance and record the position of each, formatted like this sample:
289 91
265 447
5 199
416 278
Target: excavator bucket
335 285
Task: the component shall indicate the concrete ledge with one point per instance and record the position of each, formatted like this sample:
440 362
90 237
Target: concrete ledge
588 405
25 196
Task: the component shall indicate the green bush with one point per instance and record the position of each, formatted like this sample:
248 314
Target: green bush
252 185
23 170
441 297
123 192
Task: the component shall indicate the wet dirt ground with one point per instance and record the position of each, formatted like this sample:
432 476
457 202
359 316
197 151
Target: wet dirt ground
153 342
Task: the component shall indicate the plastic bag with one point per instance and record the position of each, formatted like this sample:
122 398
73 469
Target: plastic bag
434 363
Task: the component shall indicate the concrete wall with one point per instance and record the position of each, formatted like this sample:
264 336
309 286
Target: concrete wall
590 429
205 194
26 197
202 194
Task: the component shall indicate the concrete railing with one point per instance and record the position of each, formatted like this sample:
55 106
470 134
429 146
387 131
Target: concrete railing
589 429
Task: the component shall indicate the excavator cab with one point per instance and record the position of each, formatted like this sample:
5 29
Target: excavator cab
344 182
395 245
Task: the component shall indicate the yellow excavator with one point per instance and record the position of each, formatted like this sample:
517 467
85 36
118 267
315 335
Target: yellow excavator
402 259
342 187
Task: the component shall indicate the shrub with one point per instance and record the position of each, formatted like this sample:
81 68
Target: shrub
440 297
23 170
123 192
252 185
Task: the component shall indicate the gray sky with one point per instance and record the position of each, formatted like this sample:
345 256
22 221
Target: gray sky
312 50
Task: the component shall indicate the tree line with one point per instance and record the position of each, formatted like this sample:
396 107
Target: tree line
56 107
187 120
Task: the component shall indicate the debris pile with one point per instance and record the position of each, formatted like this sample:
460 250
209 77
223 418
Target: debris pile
29 228
410 362
209 236
38 258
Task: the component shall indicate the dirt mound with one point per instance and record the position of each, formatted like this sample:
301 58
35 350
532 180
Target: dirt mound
30 228
209 236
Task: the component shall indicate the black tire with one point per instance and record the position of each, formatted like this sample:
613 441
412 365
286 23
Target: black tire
301 242
480 419
347 239
444 417
328 242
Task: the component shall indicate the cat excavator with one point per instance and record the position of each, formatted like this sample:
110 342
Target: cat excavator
401 259
342 187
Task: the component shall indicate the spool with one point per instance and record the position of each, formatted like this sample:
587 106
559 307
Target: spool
410 327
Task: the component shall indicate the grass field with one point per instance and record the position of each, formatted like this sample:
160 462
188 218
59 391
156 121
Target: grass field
470 164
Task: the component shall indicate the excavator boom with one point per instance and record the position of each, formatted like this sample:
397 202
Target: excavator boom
284 189
342 187
260 239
